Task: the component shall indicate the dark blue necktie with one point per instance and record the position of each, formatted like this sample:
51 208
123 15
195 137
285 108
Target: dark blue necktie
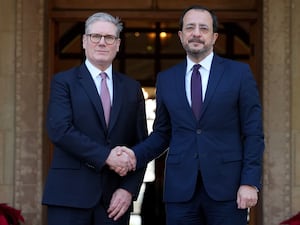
196 91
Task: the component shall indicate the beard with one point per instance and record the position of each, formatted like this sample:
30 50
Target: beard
197 52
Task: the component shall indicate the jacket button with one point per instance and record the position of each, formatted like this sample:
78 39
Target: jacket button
198 131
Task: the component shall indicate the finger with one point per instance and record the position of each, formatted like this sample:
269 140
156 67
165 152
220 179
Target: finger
126 163
119 210
114 211
243 205
122 171
119 150
131 159
113 214
119 170
113 203
238 200
252 203
113 168
119 214
132 163
128 151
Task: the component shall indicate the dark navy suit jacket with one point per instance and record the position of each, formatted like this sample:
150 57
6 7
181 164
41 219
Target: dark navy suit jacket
78 176
225 145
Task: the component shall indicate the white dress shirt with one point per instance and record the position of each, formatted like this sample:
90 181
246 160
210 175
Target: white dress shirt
204 71
95 72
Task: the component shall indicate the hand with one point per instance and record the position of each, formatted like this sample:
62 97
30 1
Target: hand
246 197
131 165
119 203
121 160
132 159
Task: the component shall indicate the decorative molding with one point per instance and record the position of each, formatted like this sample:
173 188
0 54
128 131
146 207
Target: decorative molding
18 74
277 105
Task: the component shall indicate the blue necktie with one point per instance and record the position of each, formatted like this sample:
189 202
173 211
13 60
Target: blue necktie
196 91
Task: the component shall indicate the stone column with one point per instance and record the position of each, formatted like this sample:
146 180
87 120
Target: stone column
277 114
295 111
7 100
29 74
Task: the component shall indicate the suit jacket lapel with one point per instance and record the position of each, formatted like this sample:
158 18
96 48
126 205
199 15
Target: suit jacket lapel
117 99
88 84
216 72
181 89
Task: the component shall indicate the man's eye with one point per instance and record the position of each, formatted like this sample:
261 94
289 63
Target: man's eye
96 36
204 29
189 28
109 37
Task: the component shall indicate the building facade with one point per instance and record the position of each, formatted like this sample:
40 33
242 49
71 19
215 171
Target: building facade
24 78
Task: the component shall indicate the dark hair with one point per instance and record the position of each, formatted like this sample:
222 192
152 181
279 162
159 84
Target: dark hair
198 7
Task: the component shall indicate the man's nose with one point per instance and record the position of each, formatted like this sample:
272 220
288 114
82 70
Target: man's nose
102 41
197 32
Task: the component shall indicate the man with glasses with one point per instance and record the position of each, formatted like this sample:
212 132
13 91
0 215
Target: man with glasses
92 109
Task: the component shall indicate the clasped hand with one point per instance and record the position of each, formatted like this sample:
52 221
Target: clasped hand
122 160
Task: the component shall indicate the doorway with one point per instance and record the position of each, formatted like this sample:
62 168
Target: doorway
150 45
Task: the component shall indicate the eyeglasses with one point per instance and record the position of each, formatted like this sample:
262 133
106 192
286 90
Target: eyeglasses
96 38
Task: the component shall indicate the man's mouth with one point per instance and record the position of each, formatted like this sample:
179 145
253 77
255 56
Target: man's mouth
196 41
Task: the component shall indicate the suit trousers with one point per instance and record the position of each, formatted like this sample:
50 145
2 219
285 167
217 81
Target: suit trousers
203 210
58 215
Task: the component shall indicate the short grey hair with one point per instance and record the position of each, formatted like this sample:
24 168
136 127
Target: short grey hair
101 16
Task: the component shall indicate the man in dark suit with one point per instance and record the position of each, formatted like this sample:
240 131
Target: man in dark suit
214 161
81 189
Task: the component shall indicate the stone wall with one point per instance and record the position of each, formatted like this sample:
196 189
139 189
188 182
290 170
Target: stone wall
295 102
281 83
27 104
7 99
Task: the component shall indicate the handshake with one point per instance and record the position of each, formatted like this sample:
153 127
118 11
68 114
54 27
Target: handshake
122 160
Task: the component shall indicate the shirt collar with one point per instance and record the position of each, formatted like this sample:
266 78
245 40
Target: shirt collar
205 63
94 71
